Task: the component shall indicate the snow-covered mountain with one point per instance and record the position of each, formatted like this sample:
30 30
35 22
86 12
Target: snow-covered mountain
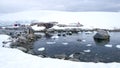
89 19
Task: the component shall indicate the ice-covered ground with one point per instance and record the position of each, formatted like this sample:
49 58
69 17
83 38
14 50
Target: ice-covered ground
13 58
37 28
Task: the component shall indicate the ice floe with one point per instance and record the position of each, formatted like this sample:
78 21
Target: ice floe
50 42
41 49
118 46
108 45
89 45
87 50
65 43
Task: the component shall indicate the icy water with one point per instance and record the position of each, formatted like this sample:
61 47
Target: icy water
83 44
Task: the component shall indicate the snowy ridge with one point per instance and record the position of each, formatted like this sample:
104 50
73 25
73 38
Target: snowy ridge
107 20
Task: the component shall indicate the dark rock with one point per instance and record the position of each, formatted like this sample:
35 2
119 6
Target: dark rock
101 42
59 34
64 35
79 40
30 37
31 52
22 39
22 49
60 56
76 55
101 34
74 59
42 56
69 33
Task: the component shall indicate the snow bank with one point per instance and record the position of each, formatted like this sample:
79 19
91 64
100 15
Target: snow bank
37 28
5 39
13 58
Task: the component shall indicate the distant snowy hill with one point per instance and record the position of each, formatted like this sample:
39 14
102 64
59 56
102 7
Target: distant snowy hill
89 19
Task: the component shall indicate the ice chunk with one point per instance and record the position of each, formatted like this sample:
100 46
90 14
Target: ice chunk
50 42
89 45
83 40
108 45
118 46
55 37
65 43
87 50
41 49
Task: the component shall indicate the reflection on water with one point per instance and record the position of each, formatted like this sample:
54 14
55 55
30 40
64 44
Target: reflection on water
48 36
85 49
101 42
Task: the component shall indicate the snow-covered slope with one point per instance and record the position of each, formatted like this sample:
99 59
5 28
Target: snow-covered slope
89 19
13 58
5 39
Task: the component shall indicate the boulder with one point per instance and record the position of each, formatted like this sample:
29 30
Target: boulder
31 52
102 35
22 49
22 39
60 56
30 37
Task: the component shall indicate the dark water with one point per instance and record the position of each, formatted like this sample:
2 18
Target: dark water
83 44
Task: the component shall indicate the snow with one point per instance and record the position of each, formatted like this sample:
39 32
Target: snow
89 45
14 58
88 32
41 49
37 28
105 20
83 40
50 42
65 28
55 37
87 50
118 46
65 43
6 39
108 45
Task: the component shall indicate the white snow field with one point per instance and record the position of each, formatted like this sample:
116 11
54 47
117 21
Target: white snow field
106 20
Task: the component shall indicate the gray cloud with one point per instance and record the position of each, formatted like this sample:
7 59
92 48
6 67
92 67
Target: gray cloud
8 6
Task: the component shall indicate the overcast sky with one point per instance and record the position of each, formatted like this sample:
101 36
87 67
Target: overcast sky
11 6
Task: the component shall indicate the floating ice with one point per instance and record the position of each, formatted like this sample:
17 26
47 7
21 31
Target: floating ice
41 49
108 45
118 46
87 50
83 40
65 43
50 42
89 45
55 37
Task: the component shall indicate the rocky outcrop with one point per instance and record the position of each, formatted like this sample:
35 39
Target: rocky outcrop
60 56
102 35
22 49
